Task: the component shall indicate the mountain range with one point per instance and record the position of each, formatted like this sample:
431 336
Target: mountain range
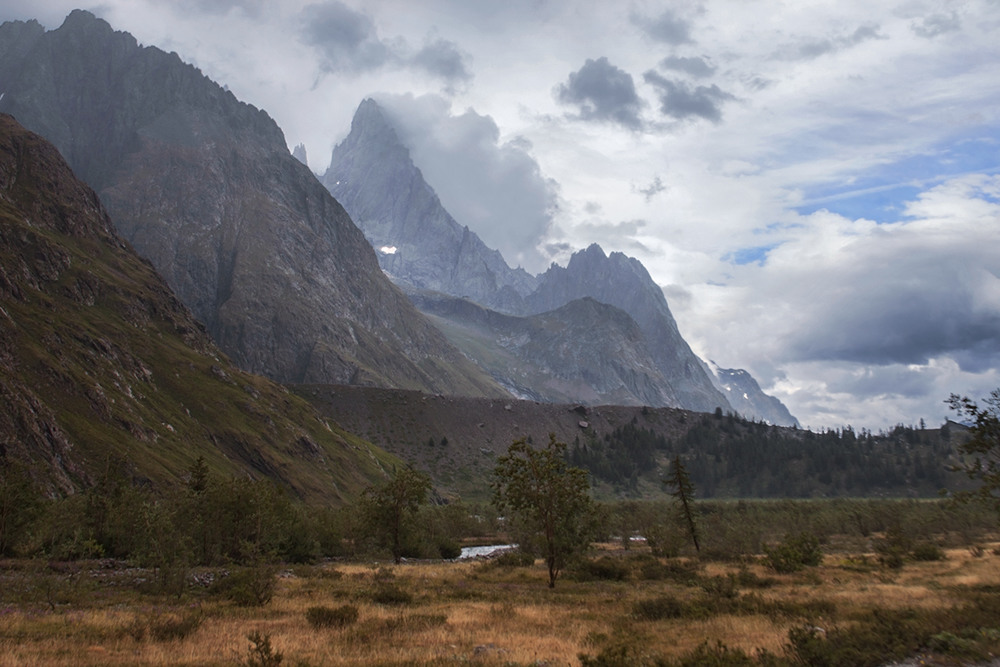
520 328
270 260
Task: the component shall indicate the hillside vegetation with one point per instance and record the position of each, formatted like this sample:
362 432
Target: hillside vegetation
100 363
626 449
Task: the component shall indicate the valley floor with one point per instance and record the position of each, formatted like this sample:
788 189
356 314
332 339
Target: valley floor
616 608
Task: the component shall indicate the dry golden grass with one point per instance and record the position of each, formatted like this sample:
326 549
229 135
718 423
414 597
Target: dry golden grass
468 612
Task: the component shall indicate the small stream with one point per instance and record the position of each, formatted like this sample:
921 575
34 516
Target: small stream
484 552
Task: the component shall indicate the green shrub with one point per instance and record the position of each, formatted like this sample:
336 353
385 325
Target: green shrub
657 609
717 655
794 553
749 579
882 638
331 617
450 549
721 586
678 571
511 558
626 647
951 644
168 627
893 548
388 594
261 653
927 551
616 655
605 568
248 586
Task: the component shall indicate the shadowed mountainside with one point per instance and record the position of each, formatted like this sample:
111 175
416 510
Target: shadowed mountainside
205 188
99 361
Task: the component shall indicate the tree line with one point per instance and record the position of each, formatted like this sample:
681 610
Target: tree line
729 456
541 500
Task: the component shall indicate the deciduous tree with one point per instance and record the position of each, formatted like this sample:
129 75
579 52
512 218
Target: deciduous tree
389 506
981 453
550 498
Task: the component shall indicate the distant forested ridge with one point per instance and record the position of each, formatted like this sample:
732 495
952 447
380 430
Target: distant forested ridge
727 456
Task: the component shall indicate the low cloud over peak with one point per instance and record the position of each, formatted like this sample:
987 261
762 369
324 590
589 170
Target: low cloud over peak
494 187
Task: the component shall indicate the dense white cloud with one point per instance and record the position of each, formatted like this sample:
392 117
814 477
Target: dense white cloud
817 191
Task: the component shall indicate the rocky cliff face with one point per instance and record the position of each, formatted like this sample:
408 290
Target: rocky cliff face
99 360
205 187
746 397
583 352
623 282
418 242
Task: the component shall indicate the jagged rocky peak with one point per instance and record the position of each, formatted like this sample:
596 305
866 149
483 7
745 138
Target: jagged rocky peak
420 245
299 153
747 398
623 282
205 187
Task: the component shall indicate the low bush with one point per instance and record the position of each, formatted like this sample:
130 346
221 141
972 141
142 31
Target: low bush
450 550
718 655
169 627
796 552
678 571
893 548
331 617
261 653
881 638
247 586
604 568
927 551
510 558
392 595
721 586
659 608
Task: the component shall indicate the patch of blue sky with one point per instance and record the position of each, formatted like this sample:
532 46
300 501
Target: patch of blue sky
756 255
881 193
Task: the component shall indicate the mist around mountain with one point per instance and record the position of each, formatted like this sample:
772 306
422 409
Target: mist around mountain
419 244
205 187
101 365
422 248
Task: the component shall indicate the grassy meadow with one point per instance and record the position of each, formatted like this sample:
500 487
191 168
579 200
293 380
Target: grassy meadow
614 607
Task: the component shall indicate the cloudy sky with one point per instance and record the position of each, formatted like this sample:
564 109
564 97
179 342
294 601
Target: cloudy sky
815 185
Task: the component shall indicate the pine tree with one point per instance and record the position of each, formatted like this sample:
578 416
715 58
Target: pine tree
683 491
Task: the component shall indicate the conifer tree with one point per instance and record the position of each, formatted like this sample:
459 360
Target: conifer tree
683 490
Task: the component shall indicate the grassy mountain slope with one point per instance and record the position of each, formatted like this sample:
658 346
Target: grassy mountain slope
99 361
